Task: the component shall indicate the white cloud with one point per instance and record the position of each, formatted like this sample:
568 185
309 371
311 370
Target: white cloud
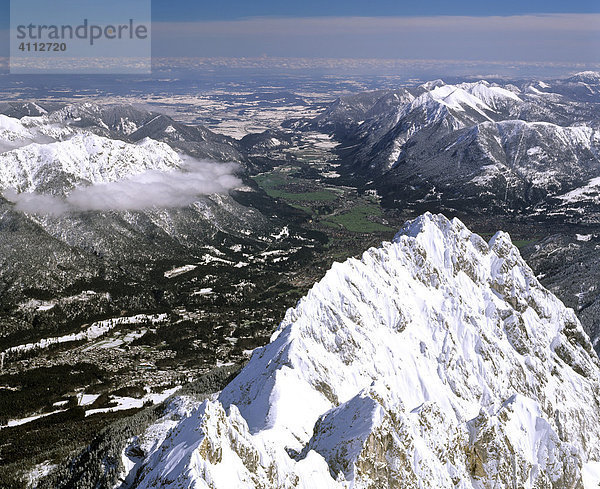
146 190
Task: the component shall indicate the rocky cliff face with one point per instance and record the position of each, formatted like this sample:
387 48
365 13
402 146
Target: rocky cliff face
437 360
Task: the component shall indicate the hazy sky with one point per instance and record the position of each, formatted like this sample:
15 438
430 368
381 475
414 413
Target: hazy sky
510 30
548 37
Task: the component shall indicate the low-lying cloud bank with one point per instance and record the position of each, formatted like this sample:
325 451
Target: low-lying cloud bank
153 188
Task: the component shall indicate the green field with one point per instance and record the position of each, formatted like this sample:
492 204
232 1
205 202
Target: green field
318 196
304 208
270 180
356 220
352 214
276 185
521 243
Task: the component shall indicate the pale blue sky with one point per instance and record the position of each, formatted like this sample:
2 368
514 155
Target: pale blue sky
193 10
186 10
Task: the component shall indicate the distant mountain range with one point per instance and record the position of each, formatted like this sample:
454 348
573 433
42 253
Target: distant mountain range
474 146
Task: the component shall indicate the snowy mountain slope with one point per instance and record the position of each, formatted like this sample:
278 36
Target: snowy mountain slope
506 166
494 97
21 109
36 124
416 127
83 159
437 360
584 86
57 183
472 145
454 98
569 267
345 115
195 140
531 160
96 208
15 133
129 123
547 155
123 119
436 110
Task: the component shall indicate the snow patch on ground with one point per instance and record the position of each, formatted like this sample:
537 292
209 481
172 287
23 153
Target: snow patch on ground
96 330
123 403
175 272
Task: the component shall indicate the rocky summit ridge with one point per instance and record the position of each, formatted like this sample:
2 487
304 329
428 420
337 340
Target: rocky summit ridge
436 360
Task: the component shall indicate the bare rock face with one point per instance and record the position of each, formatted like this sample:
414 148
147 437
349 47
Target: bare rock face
437 360
501 456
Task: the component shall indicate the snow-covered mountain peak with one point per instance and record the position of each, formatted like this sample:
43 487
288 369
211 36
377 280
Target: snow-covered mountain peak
73 112
436 360
457 98
13 133
449 103
491 95
124 119
592 77
85 158
430 85
479 96
16 133
11 124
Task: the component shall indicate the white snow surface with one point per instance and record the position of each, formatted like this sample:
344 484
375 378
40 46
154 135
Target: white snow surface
92 332
16 133
175 272
491 95
85 158
435 361
452 97
480 97
589 192
456 106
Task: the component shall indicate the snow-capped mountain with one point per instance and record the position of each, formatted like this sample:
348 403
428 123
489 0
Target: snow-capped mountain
446 110
129 123
21 109
13 133
510 165
265 141
16 133
437 360
441 110
475 100
494 97
477 144
344 116
123 119
81 182
196 140
83 159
